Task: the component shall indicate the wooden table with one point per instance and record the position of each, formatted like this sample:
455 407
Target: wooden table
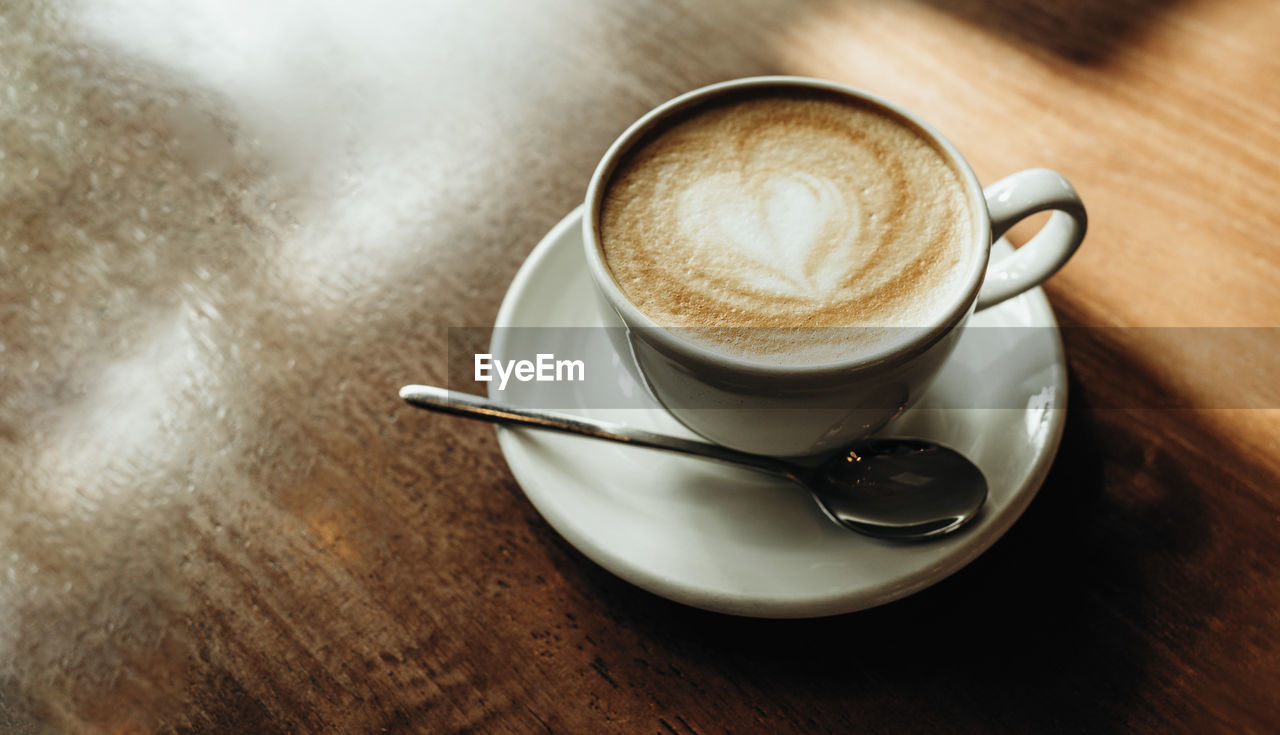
230 231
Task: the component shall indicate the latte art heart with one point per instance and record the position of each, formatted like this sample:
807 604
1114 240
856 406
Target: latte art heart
766 221
792 230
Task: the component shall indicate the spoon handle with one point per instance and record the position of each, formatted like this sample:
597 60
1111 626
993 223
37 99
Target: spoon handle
476 407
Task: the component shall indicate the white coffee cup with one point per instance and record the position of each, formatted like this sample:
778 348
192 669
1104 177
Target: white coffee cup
796 410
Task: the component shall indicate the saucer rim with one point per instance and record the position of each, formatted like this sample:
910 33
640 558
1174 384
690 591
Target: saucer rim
965 546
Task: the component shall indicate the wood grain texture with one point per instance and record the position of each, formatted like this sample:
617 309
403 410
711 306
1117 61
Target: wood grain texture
229 233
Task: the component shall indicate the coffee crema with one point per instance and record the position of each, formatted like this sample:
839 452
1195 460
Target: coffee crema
791 227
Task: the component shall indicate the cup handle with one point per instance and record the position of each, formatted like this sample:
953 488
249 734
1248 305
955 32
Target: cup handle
1019 196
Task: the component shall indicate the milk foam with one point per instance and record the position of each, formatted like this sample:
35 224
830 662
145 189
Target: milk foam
783 228
794 228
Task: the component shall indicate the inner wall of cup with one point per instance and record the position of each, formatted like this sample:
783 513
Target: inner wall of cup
688 103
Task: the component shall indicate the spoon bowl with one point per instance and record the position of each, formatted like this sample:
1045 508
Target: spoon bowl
898 488
888 488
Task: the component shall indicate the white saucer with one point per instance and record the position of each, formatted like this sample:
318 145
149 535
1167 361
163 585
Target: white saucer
738 542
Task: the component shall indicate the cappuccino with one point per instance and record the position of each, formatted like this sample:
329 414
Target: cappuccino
788 226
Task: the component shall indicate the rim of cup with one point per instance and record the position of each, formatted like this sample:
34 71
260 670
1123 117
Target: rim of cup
699 358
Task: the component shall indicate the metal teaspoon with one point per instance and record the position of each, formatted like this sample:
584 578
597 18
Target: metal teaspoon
888 488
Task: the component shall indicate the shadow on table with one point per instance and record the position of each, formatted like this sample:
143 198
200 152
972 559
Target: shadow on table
1085 32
